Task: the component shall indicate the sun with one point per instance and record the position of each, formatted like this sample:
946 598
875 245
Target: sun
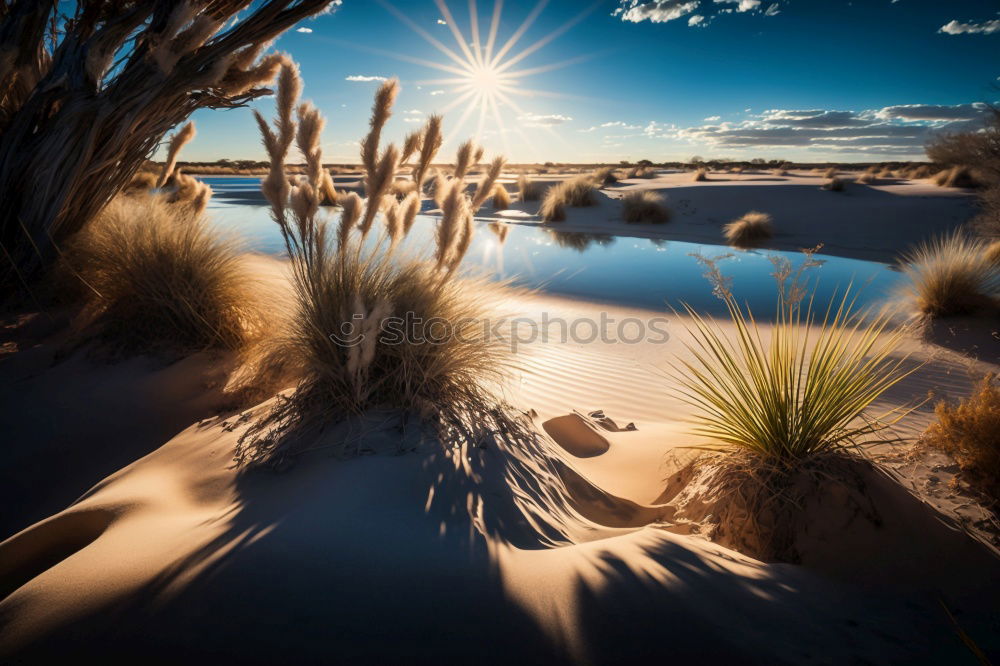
483 79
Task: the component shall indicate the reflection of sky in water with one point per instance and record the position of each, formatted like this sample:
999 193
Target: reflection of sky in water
632 271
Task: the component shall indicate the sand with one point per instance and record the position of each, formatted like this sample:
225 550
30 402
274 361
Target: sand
132 535
873 222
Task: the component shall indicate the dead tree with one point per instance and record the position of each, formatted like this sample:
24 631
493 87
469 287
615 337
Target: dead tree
86 98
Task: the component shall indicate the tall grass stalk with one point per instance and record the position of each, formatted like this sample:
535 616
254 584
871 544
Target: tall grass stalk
349 285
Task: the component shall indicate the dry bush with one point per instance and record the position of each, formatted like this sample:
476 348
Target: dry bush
644 207
501 197
867 178
956 176
921 172
605 176
577 192
701 175
830 173
992 252
952 275
142 181
970 433
978 149
92 87
359 338
527 189
779 172
835 185
886 173
987 222
749 230
155 275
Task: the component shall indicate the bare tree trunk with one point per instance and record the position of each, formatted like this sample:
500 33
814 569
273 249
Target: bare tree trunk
75 138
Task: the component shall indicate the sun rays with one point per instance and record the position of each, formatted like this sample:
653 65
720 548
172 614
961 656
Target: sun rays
483 80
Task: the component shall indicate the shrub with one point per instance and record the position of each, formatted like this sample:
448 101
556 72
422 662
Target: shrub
957 176
605 176
970 432
801 393
835 185
980 149
501 197
830 173
987 222
701 175
157 276
345 285
951 275
644 206
866 178
779 172
749 230
527 189
577 192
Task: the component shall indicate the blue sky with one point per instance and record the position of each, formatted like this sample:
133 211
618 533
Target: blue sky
663 79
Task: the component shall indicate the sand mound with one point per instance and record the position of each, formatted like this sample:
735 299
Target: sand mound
840 514
577 435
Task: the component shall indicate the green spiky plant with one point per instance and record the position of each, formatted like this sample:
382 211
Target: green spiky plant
803 392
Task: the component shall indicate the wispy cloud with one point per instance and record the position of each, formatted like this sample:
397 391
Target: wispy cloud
536 120
659 11
364 79
304 30
895 130
959 28
663 11
741 5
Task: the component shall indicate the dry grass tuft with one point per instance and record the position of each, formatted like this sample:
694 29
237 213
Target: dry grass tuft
156 276
992 252
835 185
749 230
867 178
527 189
361 337
142 181
701 175
952 275
644 207
576 192
830 173
957 176
970 432
605 176
501 197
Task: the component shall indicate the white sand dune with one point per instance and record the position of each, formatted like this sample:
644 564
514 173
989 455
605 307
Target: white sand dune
559 548
874 222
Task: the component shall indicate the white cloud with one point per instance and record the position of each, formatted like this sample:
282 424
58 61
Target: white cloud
893 130
536 120
713 119
442 22
658 11
933 112
414 112
364 79
741 5
435 93
959 28
662 11
304 30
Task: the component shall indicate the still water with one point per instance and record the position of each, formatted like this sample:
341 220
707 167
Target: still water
645 273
